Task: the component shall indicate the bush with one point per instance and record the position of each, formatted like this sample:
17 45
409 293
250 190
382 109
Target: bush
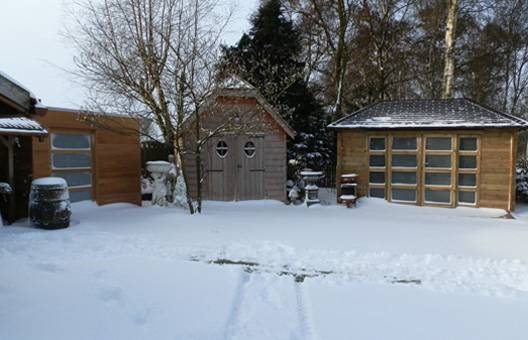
522 180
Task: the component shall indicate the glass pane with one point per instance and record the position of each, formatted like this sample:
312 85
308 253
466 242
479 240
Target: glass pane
403 177
71 160
377 161
404 161
468 144
377 144
404 143
77 196
439 143
377 177
438 161
377 192
437 179
249 149
64 141
76 179
438 196
407 195
467 197
467 162
221 149
467 180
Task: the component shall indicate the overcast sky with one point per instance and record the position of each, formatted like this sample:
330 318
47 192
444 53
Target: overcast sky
33 52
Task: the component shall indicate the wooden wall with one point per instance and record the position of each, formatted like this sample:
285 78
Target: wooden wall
116 158
352 157
498 168
275 164
497 159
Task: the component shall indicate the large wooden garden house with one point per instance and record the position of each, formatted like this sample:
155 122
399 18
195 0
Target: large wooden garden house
445 153
248 160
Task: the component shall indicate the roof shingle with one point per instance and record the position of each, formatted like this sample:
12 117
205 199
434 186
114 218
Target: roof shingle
428 114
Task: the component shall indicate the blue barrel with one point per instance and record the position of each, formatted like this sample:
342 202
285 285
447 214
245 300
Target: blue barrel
49 203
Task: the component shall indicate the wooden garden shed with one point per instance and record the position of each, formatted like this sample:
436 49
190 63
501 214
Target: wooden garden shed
247 163
445 153
97 163
37 141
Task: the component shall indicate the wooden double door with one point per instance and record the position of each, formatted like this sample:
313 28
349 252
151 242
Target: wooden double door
235 171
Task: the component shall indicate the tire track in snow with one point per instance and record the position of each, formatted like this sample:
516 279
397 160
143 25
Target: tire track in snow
305 312
234 317
265 306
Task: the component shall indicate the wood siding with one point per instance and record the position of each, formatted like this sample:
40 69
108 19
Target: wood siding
495 173
352 157
498 167
116 158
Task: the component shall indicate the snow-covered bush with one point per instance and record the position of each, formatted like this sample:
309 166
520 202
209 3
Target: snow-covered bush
522 180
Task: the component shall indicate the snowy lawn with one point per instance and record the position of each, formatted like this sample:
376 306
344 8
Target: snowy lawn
264 270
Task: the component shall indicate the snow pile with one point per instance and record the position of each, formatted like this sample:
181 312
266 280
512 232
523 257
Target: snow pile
264 270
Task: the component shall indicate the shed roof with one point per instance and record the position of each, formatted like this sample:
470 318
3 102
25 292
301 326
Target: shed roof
428 114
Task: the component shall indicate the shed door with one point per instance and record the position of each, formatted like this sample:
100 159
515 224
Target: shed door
236 170
250 168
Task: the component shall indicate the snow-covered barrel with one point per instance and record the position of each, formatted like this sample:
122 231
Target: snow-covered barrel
49 203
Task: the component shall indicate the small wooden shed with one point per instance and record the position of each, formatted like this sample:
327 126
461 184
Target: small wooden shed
97 163
445 153
247 164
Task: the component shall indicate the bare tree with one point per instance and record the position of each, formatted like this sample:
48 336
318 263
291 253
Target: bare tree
153 60
331 25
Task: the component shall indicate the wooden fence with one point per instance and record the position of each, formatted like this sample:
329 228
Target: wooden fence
154 151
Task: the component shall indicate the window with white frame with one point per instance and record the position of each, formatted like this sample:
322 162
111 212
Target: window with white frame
71 159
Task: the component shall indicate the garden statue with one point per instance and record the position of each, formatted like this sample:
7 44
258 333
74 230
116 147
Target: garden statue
180 192
158 171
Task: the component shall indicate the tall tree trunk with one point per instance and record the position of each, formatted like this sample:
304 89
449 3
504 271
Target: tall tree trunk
449 49
341 61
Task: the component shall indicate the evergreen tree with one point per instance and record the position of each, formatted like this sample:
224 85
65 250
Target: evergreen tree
268 58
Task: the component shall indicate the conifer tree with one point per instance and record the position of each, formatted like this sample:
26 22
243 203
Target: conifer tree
268 58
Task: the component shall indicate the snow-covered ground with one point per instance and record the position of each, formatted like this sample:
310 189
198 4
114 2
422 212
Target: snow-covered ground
265 270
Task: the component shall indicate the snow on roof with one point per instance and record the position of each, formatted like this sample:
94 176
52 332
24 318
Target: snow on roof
10 79
236 83
428 114
21 126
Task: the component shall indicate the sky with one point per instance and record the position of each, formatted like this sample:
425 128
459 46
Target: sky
35 55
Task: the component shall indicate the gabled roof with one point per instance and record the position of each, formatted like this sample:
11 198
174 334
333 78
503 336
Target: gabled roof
428 114
236 87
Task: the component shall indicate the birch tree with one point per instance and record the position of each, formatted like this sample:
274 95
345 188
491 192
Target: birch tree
449 49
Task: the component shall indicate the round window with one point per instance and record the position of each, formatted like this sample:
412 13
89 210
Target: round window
221 149
249 149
